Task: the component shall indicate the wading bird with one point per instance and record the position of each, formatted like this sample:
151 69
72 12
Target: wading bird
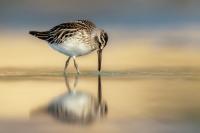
75 39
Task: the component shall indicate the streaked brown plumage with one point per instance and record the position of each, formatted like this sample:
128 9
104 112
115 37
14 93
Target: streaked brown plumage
74 39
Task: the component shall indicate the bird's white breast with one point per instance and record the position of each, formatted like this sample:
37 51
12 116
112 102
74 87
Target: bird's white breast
72 47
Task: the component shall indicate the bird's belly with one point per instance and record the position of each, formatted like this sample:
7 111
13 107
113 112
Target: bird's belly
72 48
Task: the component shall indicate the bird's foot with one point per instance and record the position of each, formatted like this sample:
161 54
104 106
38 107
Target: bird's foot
98 72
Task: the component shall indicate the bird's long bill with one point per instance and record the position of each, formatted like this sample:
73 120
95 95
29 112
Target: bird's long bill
99 52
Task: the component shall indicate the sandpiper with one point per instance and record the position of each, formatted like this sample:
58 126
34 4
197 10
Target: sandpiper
75 39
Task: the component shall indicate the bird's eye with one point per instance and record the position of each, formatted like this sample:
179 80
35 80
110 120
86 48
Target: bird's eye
106 37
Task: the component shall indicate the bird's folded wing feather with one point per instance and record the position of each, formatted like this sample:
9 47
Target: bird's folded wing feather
60 33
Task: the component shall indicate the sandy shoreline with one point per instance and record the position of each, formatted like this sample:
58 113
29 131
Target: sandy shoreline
28 52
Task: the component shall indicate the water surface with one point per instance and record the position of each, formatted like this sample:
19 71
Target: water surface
141 100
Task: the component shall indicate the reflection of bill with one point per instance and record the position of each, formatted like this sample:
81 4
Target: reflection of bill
78 106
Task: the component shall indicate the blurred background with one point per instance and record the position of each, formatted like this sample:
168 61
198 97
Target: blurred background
151 64
142 33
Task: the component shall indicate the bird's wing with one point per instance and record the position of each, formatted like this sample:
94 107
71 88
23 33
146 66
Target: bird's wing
60 33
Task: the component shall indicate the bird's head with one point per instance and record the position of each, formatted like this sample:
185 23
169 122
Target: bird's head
101 39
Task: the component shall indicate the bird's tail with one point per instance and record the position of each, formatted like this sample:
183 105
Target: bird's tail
41 35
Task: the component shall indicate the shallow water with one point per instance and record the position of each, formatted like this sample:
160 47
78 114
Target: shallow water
141 100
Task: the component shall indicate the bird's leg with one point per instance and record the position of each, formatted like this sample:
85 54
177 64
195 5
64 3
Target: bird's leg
67 63
76 80
76 65
67 82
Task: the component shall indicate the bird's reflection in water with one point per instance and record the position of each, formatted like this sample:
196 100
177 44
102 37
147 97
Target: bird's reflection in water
78 106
